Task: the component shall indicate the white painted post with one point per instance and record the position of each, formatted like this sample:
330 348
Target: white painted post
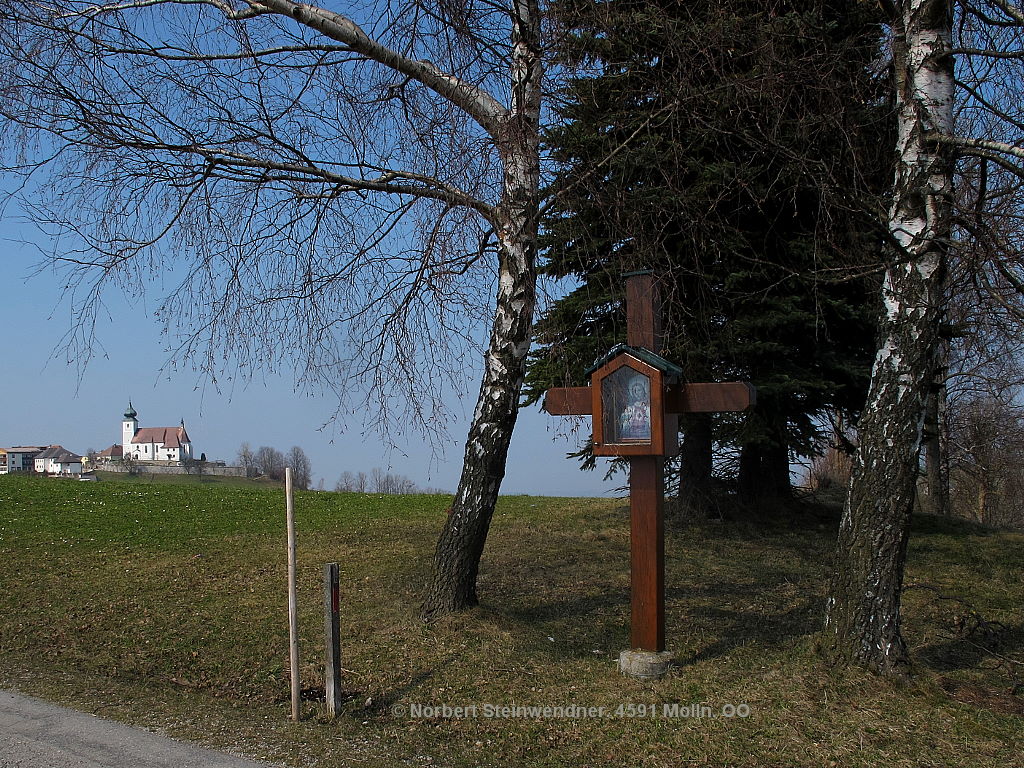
293 610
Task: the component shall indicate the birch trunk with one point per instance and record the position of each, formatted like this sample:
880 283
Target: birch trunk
863 613
461 544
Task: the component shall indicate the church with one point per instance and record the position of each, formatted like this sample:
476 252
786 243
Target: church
170 444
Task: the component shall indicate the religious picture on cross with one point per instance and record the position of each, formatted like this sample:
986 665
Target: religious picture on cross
636 416
626 400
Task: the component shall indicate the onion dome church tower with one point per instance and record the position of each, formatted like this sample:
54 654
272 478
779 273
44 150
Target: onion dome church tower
129 427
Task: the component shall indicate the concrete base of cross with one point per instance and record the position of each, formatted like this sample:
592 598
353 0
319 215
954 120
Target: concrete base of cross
647 665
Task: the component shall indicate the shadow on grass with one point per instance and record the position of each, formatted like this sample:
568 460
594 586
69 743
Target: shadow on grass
948 526
388 698
605 612
737 629
971 651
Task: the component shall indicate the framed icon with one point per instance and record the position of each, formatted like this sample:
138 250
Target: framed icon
627 388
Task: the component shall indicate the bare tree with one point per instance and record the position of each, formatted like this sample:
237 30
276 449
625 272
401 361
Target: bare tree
302 469
379 481
351 194
864 618
270 462
391 484
130 464
247 460
346 483
987 439
362 483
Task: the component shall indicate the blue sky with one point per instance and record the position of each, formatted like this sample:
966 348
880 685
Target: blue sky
46 400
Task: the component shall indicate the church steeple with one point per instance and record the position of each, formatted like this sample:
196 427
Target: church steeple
129 427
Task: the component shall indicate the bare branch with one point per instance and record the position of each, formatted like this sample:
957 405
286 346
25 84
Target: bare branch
475 101
987 146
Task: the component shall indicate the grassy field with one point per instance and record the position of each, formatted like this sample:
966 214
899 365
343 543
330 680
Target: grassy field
206 479
164 605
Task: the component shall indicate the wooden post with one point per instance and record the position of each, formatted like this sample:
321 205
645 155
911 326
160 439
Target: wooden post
332 656
293 609
647 553
646 494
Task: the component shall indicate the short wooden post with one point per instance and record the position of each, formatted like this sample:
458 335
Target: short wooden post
293 609
332 631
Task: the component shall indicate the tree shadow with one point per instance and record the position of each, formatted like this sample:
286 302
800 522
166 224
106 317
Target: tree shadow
388 698
971 650
742 628
921 525
607 612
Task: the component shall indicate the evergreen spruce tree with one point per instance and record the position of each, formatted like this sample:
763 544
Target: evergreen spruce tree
736 149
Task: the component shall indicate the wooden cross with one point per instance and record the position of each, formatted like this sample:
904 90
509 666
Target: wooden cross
646 472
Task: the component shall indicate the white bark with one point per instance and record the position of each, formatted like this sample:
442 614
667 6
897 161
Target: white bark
461 544
864 617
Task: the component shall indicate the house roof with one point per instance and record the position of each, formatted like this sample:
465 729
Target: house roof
113 452
52 451
59 454
170 437
25 449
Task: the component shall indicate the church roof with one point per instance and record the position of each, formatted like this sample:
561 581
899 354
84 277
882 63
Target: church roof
170 437
130 413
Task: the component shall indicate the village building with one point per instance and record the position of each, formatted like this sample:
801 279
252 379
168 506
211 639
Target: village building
57 460
164 444
20 458
107 455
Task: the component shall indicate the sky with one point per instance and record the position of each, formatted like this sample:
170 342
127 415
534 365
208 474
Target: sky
46 400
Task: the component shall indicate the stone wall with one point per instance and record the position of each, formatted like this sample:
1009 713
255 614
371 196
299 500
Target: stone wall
174 469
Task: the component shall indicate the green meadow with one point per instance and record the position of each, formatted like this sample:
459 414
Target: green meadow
165 605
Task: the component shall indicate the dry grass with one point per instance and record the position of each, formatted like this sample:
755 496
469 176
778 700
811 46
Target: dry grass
829 470
166 607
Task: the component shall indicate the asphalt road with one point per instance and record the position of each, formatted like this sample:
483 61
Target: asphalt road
35 734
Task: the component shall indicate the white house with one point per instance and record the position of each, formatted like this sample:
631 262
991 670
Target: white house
154 443
58 460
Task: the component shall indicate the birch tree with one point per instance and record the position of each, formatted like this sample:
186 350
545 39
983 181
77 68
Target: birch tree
349 190
943 120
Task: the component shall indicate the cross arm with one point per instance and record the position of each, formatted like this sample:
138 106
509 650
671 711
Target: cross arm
681 398
568 401
710 398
